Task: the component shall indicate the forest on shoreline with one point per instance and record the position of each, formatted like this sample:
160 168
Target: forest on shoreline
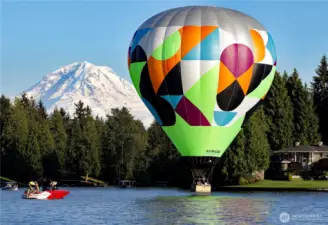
35 144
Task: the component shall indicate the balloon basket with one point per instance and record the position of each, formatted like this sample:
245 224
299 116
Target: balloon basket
201 169
201 189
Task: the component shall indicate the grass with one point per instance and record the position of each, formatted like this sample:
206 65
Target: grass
6 179
94 180
9 180
90 179
294 184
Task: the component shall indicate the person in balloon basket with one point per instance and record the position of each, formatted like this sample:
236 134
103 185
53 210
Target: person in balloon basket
204 181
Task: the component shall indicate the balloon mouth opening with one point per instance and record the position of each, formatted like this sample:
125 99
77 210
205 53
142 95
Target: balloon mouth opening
201 167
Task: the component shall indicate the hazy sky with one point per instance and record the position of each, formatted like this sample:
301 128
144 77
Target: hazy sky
40 36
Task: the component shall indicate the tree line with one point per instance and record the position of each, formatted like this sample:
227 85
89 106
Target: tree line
35 144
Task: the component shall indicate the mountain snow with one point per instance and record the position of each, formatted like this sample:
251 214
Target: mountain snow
99 87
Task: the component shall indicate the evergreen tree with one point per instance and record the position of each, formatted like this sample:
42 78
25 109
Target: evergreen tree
162 155
285 76
25 101
257 148
84 148
108 152
120 148
45 139
64 115
42 110
232 163
320 96
279 110
298 96
92 154
32 156
73 157
80 112
39 129
100 126
21 143
5 112
249 152
60 139
312 128
5 109
140 138
6 126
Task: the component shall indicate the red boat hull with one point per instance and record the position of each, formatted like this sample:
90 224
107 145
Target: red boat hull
47 195
58 194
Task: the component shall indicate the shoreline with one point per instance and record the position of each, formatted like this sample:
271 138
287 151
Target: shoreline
227 188
268 189
214 189
296 185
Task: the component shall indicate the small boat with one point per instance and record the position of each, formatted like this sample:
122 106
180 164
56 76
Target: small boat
127 183
46 195
10 186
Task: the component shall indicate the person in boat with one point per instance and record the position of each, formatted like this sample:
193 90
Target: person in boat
32 187
53 185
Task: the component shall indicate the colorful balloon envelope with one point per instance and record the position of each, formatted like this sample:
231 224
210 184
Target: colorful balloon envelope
201 71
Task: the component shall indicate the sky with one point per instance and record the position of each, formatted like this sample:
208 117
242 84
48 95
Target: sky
38 37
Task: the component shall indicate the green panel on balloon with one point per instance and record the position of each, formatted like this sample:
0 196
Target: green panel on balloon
202 140
135 74
264 86
203 93
168 49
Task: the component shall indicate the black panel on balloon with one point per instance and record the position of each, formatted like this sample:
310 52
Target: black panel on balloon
146 87
162 107
260 71
164 111
172 84
231 97
267 71
250 112
138 55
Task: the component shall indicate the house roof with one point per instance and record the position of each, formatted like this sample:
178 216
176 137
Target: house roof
304 148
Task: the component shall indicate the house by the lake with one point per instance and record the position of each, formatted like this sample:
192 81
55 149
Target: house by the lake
304 155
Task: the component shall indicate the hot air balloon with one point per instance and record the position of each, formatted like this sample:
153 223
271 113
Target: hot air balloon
201 71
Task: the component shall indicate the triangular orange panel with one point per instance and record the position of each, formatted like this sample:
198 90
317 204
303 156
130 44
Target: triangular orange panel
207 30
193 35
226 78
158 69
245 79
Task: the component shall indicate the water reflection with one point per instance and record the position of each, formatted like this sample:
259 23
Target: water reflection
107 206
204 210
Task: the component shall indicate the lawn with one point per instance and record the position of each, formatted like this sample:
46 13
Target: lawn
5 179
295 183
91 179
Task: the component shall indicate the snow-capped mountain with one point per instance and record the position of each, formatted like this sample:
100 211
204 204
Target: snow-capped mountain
99 87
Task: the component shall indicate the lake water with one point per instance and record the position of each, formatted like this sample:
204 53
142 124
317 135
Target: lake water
165 206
